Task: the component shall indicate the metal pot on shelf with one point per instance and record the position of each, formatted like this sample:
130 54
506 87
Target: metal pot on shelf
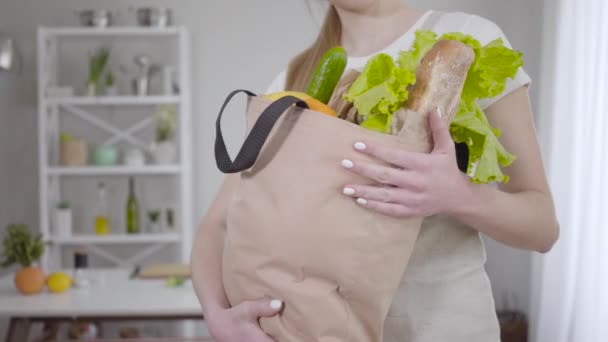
95 18
154 16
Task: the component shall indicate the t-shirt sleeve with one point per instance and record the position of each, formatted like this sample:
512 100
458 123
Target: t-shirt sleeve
278 84
486 31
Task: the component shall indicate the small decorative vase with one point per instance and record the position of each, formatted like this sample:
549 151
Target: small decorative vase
73 152
93 88
105 155
164 152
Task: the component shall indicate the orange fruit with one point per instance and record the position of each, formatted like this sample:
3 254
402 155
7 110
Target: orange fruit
313 104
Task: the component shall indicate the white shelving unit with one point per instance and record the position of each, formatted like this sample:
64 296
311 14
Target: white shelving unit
52 110
114 100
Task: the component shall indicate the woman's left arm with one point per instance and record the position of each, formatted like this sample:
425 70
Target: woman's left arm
519 213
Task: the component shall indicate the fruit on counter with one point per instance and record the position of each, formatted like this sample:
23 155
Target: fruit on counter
29 280
58 282
175 281
327 74
313 104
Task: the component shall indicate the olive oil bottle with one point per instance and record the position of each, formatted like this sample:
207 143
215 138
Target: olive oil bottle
132 209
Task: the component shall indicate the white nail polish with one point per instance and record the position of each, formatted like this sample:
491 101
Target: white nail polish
348 191
360 146
347 164
439 112
276 304
362 201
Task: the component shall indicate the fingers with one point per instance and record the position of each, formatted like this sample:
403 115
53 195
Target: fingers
442 139
394 156
382 174
261 308
389 209
382 194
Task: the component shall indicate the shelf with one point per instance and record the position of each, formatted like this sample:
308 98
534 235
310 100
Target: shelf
111 31
113 170
113 100
115 239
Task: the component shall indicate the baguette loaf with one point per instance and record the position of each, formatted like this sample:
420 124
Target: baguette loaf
440 78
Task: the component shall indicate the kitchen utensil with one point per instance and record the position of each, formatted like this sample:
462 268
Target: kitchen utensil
141 83
154 16
95 18
141 86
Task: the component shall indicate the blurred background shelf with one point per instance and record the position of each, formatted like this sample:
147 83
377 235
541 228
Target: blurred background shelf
110 31
91 239
113 100
113 170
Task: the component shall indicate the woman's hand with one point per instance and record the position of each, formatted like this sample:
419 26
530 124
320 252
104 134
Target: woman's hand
417 184
240 323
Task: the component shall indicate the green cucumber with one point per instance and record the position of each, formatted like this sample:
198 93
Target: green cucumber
327 74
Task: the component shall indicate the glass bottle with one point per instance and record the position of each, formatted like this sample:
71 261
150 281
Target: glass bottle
102 221
132 209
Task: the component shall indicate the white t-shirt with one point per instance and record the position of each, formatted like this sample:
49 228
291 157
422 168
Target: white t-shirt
482 29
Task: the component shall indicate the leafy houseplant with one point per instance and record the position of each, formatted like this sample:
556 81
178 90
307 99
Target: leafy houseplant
110 84
97 65
164 149
21 247
153 221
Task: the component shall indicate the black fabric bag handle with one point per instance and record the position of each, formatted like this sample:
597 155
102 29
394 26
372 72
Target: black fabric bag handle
256 138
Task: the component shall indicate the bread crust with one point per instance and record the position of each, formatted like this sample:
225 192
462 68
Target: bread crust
440 78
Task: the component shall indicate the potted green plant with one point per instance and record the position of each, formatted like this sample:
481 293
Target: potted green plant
153 221
164 149
23 248
97 65
111 89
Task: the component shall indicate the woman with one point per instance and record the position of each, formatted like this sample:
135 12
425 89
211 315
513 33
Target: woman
445 294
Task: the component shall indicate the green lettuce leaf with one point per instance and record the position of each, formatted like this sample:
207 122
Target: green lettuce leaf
409 60
470 126
494 64
381 89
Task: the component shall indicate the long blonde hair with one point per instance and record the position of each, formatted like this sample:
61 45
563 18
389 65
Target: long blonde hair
302 66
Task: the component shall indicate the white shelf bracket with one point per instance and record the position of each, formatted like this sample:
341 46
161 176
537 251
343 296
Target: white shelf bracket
132 261
105 126
146 252
102 253
129 132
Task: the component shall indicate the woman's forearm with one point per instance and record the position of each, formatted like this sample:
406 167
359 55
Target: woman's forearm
523 220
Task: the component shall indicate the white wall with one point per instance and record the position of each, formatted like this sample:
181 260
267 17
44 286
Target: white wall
236 44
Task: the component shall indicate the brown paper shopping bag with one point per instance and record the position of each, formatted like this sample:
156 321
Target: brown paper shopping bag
291 235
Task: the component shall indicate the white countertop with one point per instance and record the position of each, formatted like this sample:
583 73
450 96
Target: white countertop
111 294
